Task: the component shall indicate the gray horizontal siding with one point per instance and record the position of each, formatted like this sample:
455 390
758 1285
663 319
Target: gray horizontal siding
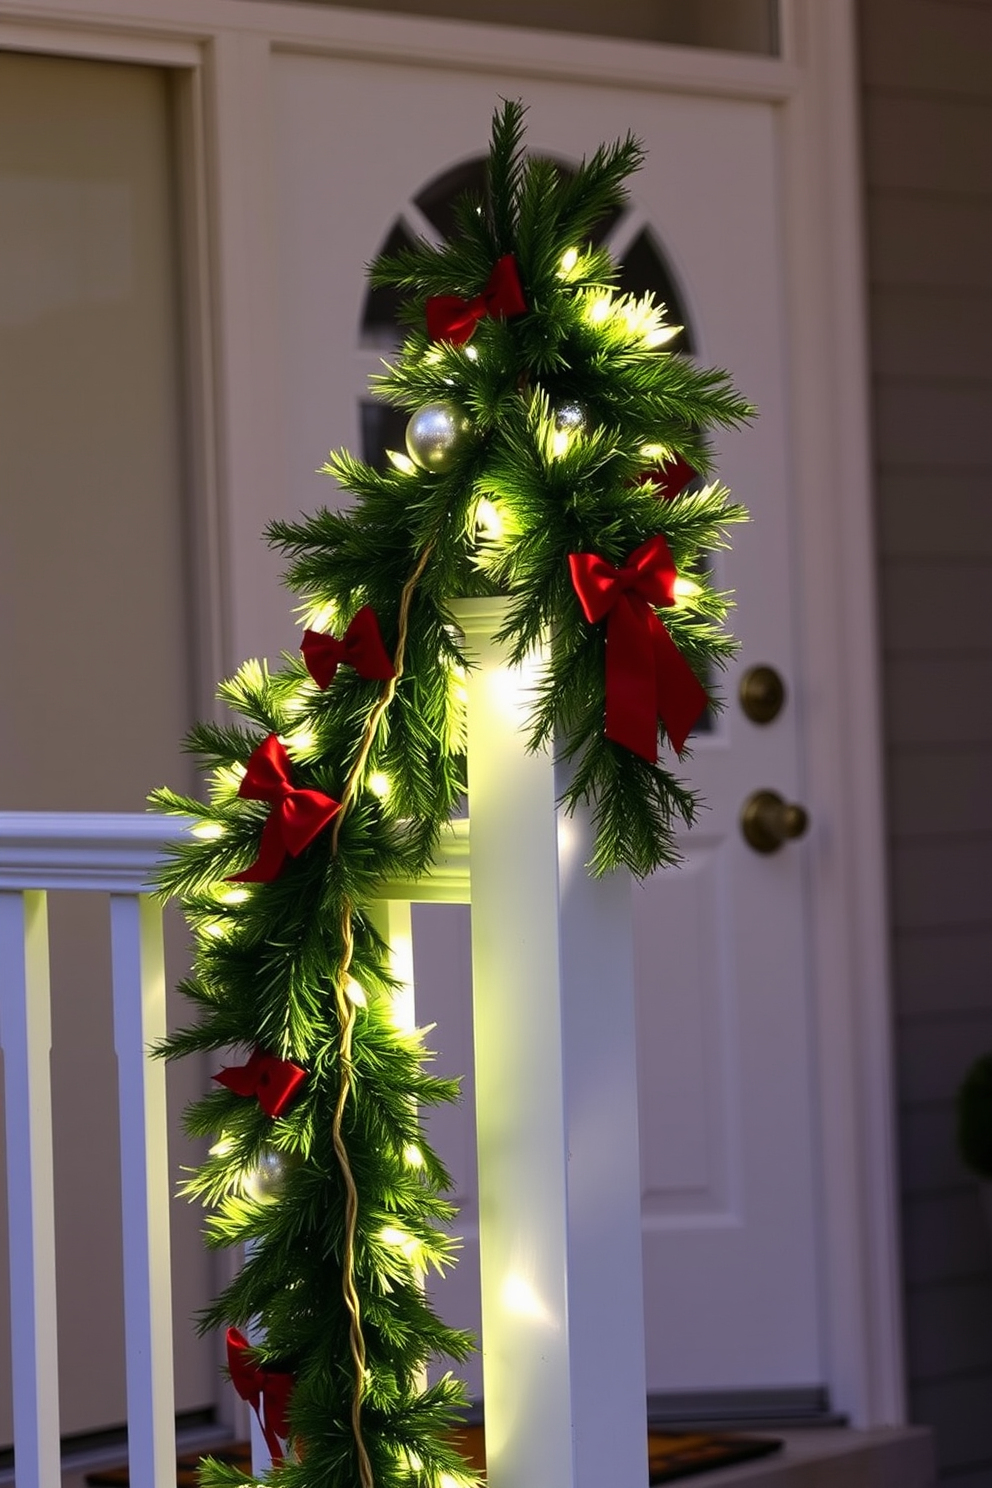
926 70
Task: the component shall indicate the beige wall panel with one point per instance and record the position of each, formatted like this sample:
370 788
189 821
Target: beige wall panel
933 424
936 47
932 333
933 792
922 515
93 614
935 240
943 971
943 883
936 699
928 144
930 607
944 1236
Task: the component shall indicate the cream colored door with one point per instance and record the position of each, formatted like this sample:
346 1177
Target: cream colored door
727 1089
95 605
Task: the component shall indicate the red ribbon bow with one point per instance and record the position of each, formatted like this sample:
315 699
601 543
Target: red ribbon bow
296 817
274 1081
647 677
671 476
267 1391
360 647
450 318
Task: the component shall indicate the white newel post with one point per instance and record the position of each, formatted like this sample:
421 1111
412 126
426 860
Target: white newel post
26 1034
555 1056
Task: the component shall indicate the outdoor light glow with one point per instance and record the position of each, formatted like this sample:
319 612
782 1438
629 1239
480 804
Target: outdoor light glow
472 353
355 993
413 1156
234 896
208 831
658 335
403 463
321 616
402 1241
488 519
569 259
559 443
520 1298
300 741
380 784
600 309
686 588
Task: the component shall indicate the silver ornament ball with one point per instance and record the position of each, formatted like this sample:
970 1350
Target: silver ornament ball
571 417
267 1182
437 434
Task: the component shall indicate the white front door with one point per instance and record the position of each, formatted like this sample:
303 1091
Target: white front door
726 1077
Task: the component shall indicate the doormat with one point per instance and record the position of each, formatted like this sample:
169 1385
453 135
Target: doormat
671 1455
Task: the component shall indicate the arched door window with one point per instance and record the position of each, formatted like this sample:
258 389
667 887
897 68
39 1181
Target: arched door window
430 214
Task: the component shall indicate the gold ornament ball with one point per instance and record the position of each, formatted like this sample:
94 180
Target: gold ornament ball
437 434
266 1183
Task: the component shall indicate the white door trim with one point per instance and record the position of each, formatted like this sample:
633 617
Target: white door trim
228 43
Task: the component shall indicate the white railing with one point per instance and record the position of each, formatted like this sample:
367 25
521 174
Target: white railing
115 855
559 1187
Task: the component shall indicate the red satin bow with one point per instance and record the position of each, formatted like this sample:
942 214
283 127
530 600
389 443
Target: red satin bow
647 677
274 1081
450 318
671 477
296 817
267 1391
360 647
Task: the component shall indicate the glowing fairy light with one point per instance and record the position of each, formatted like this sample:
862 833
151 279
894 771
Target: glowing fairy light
223 1147
472 352
355 993
657 452
320 616
234 896
686 589
208 831
401 462
660 334
380 784
408 1245
412 1155
488 520
559 443
300 741
599 310
569 260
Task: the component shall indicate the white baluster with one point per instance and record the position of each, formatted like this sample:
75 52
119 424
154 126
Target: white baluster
26 1035
139 1021
555 1069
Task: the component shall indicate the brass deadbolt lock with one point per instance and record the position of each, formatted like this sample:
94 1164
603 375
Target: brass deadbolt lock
767 821
762 694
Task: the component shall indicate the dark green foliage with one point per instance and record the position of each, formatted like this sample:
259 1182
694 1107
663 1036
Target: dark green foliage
269 955
974 1117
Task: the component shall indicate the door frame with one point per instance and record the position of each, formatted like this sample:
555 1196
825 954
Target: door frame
221 52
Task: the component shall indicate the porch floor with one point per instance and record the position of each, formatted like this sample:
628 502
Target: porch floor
896 1457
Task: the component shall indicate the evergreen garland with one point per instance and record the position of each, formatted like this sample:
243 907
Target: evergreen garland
290 962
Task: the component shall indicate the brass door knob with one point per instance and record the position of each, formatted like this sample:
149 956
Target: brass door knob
767 821
762 694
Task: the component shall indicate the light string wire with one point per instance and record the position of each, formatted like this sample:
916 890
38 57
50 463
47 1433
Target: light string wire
347 1013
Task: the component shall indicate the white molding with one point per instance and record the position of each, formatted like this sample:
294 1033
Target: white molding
840 699
115 852
466 46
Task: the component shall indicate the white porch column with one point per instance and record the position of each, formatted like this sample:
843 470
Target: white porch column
555 1056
